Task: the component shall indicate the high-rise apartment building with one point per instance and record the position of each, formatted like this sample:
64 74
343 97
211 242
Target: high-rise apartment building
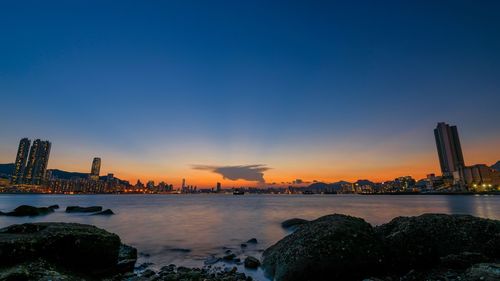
449 150
96 168
38 160
21 159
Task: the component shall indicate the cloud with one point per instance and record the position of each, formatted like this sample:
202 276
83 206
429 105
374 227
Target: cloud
241 172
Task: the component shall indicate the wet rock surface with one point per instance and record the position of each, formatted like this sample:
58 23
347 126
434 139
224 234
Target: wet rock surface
333 247
79 209
426 247
174 273
251 262
68 248
420 242
30 211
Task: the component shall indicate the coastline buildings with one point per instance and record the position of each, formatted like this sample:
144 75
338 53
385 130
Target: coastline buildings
31 169
477 177
96 168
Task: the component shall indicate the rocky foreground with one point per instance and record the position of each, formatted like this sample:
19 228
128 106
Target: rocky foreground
333 247
427 247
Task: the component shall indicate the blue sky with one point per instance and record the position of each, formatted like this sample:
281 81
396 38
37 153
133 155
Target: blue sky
313 89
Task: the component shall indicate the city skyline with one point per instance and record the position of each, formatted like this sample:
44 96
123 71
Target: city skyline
447 141
311 91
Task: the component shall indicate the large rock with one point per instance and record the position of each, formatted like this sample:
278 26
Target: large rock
420 242
79 247
293 223
78 209
333 247
26 210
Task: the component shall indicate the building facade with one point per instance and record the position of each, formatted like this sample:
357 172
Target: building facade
38 160
21 159
449 150
95 169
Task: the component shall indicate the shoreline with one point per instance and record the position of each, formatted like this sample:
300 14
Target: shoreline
284 194
332 247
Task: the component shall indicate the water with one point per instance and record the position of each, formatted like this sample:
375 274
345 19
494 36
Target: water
187 229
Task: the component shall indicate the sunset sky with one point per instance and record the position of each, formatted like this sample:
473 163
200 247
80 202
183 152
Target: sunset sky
310 90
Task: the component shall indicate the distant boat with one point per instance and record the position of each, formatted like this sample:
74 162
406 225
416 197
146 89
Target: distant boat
238 192
307 192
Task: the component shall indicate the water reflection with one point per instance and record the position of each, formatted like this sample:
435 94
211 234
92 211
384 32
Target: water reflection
186 229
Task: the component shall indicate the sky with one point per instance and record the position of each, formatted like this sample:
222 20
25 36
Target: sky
250 92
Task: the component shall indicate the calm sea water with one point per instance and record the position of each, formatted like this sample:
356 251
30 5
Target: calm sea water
188 229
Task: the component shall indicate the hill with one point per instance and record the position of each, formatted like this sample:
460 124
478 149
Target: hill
6 169
496 166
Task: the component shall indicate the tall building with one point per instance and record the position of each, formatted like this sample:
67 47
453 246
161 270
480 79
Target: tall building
218 188
96 168
449 150
37 162
21 159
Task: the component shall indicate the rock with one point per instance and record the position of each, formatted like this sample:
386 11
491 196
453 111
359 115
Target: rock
420 242
148 273
26 210
243 245
106 212
37 270
211 260
252 241
78 209
229 257
251 262
53 207
483 272
333 247
293 223
143 266
77 247
127 257
462 260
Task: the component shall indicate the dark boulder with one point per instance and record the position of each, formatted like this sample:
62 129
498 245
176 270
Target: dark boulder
333 247
79 247
127 256
78 209
29 211
293 223
420 242
252 241
229 257
251 262
53 207
106 212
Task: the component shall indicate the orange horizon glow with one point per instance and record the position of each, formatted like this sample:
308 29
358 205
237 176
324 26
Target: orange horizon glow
348 162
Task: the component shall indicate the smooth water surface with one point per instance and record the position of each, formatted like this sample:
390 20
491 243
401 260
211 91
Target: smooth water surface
188 229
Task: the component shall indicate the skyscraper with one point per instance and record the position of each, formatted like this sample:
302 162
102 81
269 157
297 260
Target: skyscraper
37 162
449 150
20 164
96 168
